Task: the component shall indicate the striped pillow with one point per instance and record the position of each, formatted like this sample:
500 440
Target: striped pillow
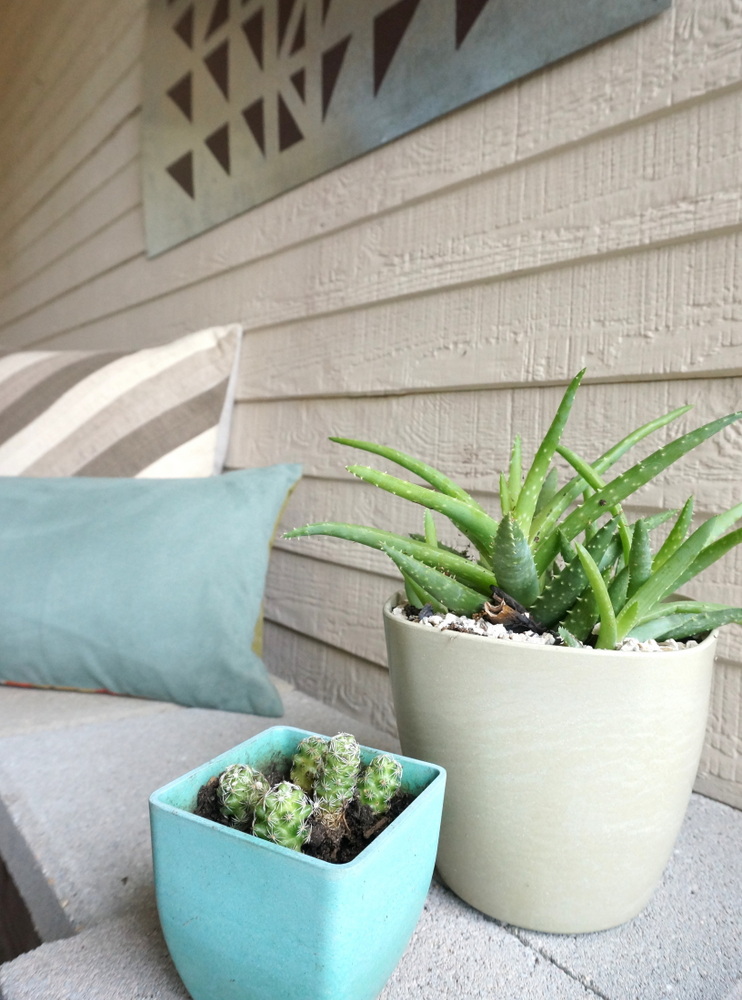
162 412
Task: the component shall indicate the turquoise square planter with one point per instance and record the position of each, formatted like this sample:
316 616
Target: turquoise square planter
245 919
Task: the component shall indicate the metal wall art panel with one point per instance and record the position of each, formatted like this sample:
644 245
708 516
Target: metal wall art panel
245 99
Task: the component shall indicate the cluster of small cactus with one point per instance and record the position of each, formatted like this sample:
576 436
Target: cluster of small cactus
325 777
566 554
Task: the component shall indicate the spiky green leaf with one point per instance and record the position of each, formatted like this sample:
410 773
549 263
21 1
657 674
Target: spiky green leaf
607 637
549 515
677 535
640 558
418 468
451 594
629 482
513 562
561 592
685 626
478 527
536 475
469 573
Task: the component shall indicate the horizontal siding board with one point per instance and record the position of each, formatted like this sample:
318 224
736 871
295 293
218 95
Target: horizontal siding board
342 609
111 172
468 434
607 196
93 130
671 310
68 108
94 238
37 43
355 686
720 773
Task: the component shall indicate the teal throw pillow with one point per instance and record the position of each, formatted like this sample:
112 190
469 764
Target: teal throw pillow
142 587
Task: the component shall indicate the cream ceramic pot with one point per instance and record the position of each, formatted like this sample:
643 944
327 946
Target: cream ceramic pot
569 771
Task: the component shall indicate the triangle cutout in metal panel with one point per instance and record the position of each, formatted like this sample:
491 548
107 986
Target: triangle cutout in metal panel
218 143
467 11
181 171
217 63
389 29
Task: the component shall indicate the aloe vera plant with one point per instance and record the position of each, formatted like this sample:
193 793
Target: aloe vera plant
566 553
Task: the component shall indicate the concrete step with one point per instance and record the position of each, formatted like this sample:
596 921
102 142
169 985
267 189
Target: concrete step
76 772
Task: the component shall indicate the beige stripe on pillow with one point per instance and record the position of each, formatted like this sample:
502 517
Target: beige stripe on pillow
176 392
91 413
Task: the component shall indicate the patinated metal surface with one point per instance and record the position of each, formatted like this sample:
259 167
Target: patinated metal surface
245 99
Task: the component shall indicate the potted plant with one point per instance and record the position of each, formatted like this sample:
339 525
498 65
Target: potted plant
570 756
248 912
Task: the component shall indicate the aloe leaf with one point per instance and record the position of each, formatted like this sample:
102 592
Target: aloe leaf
568 639
640 558
677 535
450 593
548 491
566 548
619 588
478 527
582 616
685 607
515 472
595 482
653 521
681 626
561 592
638 475
418 468
548 516
513 562
418 537
506 501
607 638
416 597
470 573
431 536
536 475
673 573
710 554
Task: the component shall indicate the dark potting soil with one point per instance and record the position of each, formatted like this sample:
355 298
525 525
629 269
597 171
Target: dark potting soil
337 844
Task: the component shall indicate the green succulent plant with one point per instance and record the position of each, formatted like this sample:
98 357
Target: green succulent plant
566 553
337 778
282 816
307 761
380 780
240 789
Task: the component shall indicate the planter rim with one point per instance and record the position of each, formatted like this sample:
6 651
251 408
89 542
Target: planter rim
538 649
214 766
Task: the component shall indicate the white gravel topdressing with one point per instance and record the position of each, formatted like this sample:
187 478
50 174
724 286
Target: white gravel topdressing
480 626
